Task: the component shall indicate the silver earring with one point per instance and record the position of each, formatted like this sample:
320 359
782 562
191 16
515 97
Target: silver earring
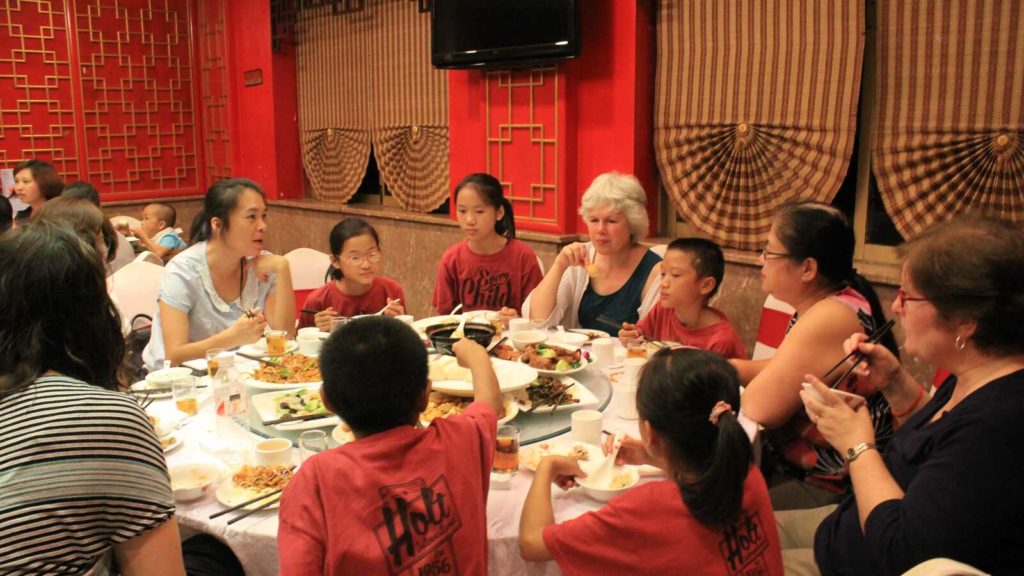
960 342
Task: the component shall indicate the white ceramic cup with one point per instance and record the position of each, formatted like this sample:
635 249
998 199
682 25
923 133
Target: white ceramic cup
620 355
627 397
310 342
307 330
586 426
407 318
274 452
518 325
603 351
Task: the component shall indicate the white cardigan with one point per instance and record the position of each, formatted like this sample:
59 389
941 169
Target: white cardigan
571 287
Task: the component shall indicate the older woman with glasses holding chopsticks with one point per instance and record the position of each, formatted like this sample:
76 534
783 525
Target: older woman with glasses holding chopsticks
808 264
948 485
611 279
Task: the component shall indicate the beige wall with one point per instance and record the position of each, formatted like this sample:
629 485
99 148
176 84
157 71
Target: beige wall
413 244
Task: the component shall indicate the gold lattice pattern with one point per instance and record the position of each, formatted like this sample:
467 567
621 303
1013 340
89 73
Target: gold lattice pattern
522 139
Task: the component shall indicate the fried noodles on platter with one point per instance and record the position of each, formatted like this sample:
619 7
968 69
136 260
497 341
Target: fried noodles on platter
263 478
298 368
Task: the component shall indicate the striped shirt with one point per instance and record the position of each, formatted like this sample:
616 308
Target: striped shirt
80 470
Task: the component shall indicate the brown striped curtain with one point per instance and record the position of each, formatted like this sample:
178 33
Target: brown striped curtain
365 78
755 105
950 105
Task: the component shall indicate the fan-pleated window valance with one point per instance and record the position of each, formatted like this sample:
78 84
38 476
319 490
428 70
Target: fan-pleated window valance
950 105
755 104
365 78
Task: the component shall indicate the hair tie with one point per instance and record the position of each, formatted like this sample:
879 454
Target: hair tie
719 408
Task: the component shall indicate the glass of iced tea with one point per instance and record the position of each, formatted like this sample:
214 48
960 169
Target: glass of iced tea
277 341
212 364
636 349
185 398
506 455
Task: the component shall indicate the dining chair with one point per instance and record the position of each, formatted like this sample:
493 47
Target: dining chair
308 267
135 289
775 317
147 256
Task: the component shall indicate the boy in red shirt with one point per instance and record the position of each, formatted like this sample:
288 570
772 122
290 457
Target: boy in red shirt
691 272
399 500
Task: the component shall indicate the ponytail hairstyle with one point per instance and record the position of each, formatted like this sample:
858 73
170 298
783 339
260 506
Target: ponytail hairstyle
678 390
822 232
491 193
221 200
341 233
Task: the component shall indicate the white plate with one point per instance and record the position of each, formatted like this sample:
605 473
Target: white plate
175 442
260 385
342 436
266 407
143 387
230 495
512 376
587 361
576 390
260 347
593 334
530 456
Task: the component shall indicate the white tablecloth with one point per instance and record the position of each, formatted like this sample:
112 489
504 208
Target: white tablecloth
254 539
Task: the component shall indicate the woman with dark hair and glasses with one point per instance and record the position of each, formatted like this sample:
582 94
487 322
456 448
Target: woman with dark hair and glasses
808 264
224 289
83 481
948 485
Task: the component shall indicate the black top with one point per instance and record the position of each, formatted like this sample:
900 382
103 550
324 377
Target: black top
963 478
621 305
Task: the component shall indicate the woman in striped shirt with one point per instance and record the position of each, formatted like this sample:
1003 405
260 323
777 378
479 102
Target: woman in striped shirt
83 482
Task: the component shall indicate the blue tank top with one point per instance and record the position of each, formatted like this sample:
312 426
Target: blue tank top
621 305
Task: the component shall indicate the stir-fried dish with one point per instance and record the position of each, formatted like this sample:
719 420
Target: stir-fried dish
296 368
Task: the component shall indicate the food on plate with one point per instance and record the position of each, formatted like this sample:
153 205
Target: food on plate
447 368
577 452
296 368
547 391
506 352
623 479
167 441
556 358
263 478
302 402
443 406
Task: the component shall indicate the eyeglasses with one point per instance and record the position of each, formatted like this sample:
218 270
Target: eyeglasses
902 298
769 255
372 257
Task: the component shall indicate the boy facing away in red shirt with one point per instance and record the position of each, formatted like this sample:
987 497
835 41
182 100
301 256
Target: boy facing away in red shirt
691 273
399 500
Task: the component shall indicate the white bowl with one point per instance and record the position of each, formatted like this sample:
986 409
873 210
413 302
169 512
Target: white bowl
310 342
189 481
159 379
522 339
572 338
604 494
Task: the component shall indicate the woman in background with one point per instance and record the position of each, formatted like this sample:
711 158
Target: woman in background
35 182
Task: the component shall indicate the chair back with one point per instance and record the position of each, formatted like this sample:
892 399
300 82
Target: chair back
147 256
308 268
135 289
775 317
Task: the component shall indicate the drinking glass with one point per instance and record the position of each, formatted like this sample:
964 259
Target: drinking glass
212 364
184 391
277 342
312 442
506 454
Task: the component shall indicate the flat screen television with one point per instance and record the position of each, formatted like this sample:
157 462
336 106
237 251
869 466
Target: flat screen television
503 33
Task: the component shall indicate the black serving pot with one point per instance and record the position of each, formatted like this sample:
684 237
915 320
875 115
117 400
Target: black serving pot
440 335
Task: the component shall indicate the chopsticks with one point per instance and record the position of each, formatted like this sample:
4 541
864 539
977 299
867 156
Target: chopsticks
145 399
490 349
263 360
296 419
248 513
856 354
241 505
609 321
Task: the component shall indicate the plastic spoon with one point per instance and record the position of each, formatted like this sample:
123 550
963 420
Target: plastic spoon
460 332
602 477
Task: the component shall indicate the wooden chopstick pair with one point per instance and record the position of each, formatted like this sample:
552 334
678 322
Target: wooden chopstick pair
287 419
249 512
856 354
609 321
263 360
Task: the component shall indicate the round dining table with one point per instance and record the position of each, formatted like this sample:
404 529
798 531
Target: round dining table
254 538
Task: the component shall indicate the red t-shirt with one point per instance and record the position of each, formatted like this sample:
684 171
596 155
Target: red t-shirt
489 282
394 503
649 530
370 302
661 324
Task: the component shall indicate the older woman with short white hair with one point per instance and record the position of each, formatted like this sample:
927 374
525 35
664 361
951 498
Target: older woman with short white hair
611 279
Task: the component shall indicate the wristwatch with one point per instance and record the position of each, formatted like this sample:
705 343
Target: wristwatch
855 452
